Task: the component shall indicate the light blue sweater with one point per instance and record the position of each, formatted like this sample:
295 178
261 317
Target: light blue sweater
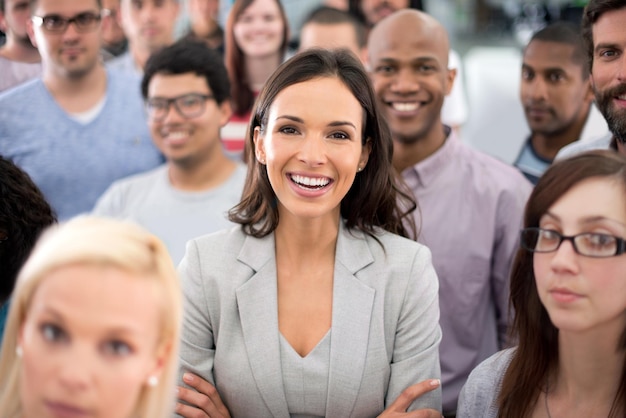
74 163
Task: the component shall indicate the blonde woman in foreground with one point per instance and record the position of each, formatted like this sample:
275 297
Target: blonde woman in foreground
94 326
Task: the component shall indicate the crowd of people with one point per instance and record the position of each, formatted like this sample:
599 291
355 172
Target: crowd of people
341 249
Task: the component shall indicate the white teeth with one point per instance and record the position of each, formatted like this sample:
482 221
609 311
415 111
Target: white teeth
622 97
176 135
405 107
310 181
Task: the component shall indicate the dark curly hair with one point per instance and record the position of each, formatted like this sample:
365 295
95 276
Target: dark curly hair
24 213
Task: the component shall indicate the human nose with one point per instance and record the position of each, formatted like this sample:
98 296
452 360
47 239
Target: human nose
313 151
565 257
76 365
71 32
537 89
404 82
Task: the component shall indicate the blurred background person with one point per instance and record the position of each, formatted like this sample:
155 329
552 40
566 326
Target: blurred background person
80 126
256 44
149 26
19 59
94 326
204 23
187 96
556 95
24 214
327 27
113 37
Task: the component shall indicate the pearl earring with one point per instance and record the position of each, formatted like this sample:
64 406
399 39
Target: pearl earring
359 169
153 381
18 351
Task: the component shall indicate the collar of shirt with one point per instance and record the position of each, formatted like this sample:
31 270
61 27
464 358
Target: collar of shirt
424 172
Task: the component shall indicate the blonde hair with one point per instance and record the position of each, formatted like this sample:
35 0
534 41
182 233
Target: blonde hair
90 240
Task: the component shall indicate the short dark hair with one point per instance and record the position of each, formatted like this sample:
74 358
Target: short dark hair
354 7
33 3
591 14
189 56
374 200
24 214
565 33
326 15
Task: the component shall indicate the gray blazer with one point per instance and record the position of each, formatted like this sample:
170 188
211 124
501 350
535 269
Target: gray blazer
385 322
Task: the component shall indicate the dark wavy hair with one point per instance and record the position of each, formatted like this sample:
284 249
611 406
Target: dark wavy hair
241 93
375 199
354 7
592 12
24 214
537 353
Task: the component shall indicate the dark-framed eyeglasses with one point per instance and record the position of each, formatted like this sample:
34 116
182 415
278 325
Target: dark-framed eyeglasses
3 238
188 105
83 22
588 244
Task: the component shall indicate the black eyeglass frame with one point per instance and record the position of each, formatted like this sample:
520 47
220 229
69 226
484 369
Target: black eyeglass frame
175 101
91 26
620 243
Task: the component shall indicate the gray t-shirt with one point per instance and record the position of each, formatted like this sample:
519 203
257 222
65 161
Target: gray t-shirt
175 216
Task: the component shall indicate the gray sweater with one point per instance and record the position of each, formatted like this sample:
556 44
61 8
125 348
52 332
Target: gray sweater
479 395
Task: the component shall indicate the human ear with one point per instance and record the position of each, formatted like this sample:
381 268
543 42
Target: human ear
226 112
365 154
259 145
450 77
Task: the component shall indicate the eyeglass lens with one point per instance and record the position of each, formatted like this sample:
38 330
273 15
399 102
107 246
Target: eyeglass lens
83 22
188 105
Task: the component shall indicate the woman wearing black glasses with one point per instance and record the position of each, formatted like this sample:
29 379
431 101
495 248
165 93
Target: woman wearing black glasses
568 290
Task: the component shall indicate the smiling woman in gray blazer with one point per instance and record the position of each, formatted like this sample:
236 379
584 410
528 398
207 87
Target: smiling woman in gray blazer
317 304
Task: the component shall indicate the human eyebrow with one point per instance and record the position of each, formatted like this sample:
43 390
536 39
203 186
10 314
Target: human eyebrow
291 118
606 46
599 218
341 123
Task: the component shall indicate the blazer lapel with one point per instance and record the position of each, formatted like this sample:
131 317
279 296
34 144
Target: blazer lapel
258 310
352 310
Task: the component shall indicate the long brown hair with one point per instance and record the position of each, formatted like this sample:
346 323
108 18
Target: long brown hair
537 353
374 200
234 59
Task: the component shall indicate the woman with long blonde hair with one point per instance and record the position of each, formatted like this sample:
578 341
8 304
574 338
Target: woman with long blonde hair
93 327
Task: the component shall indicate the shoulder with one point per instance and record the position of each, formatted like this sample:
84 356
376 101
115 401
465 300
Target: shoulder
22 92
577 147
123 80
141 182
143 179
491 178
480 393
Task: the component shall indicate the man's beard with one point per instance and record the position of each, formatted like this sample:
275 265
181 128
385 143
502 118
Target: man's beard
615 118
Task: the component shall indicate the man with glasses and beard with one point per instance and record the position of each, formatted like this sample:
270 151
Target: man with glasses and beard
79 127
19 59
604 34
